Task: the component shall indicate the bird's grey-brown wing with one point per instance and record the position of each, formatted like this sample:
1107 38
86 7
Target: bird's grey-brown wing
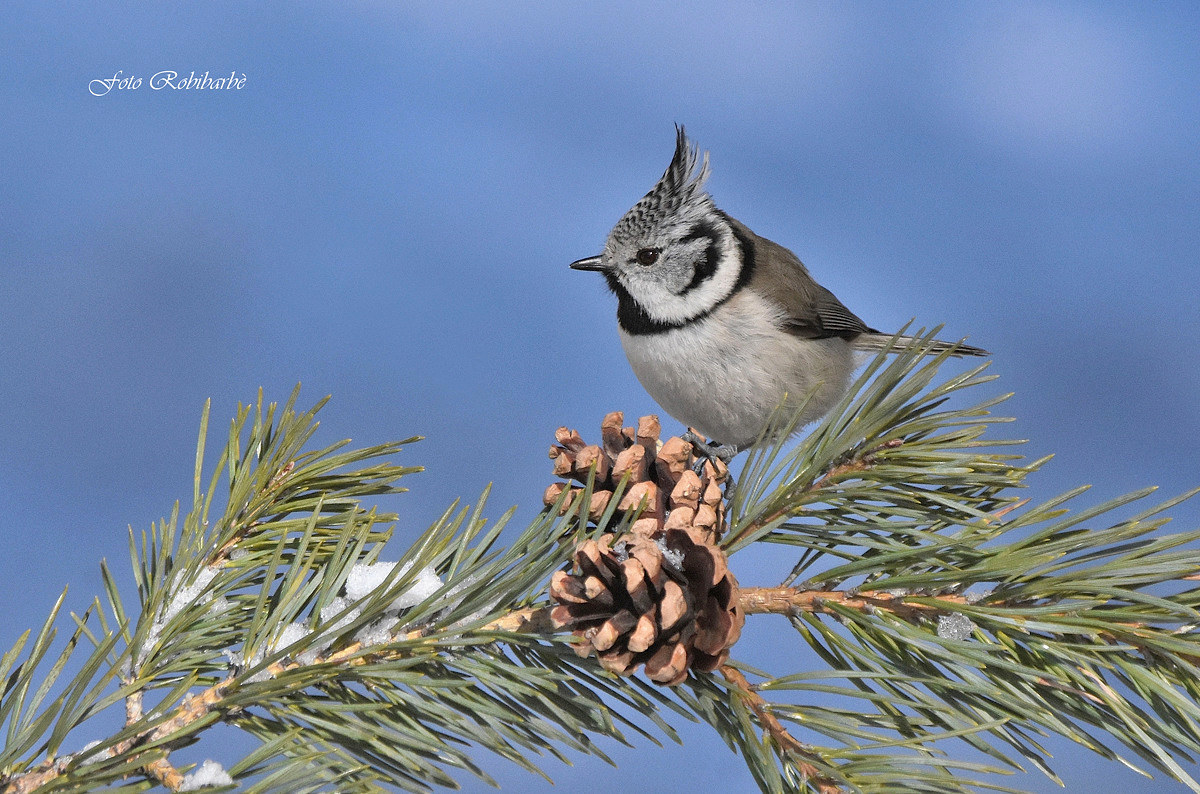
812 311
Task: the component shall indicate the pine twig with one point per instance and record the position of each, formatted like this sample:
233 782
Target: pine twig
762 601
37 777
860 462
165 773
787 600
160 769
786 742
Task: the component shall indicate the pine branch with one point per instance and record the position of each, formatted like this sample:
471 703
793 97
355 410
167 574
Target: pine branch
945 609
913 545
213 700
276 616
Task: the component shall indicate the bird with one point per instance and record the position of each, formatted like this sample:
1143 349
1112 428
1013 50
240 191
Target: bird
722 326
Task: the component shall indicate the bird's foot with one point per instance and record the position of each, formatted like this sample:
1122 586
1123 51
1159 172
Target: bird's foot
714 453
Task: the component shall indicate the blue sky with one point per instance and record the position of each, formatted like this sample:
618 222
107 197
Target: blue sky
385 213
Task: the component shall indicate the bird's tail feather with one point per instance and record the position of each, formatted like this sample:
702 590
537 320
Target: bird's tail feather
876 342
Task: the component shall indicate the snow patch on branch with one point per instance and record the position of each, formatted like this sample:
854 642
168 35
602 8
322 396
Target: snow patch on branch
195 591
208 774
365 578
342 611
955 626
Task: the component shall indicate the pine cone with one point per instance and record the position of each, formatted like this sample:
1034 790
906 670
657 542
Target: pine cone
659 599
660 475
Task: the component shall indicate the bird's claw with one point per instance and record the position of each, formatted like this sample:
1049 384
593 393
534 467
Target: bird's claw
712 452
709 450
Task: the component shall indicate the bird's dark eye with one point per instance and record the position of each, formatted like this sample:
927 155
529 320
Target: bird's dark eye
647 256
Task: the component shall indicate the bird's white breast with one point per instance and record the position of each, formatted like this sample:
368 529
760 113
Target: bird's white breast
726 373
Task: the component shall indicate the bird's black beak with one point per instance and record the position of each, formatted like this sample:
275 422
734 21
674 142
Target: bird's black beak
589 263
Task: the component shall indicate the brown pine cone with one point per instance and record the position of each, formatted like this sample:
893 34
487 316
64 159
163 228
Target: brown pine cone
660 478
660 599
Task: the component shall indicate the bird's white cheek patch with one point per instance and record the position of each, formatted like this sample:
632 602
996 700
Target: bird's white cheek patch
706 295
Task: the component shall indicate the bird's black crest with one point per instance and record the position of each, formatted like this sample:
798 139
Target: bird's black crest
682 183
